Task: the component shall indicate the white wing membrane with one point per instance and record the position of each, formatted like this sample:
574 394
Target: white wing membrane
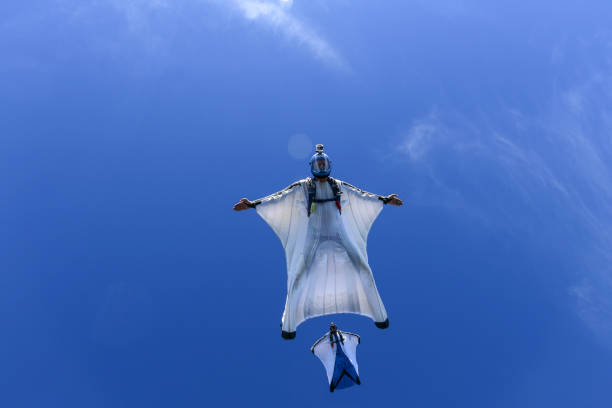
327 262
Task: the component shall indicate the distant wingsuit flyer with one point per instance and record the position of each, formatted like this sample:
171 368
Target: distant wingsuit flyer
323 224
337 350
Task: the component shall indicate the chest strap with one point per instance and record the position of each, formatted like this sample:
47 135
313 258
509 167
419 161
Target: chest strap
312 192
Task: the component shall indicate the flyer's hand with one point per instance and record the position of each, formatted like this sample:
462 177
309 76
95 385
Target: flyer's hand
394 200
243 204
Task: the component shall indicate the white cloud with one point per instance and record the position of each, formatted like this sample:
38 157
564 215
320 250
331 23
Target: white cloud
594 303
562 158
420 137
277 15
143 17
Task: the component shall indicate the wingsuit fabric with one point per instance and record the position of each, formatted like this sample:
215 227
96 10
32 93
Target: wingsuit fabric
339 357
327 261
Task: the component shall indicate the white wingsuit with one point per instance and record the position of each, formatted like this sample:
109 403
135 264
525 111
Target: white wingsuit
338 353
327 262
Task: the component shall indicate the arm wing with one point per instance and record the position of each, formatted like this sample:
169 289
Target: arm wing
351 341
327 354
277 209
365 207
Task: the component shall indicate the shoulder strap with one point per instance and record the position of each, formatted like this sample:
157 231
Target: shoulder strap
337 192
312 192
333 183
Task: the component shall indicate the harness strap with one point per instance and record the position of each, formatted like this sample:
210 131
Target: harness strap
312 192
336 338
337 193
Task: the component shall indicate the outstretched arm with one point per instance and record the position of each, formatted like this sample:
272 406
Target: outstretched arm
245 203
390 199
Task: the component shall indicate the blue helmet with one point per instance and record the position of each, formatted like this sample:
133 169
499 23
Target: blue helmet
320 165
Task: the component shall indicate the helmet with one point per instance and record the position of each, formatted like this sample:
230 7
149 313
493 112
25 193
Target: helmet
320 165
333 327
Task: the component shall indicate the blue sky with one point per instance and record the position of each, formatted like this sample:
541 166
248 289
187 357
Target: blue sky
129 129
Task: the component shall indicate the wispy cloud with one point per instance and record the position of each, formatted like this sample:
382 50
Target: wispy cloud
277 15
554 165
142 17
421 136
